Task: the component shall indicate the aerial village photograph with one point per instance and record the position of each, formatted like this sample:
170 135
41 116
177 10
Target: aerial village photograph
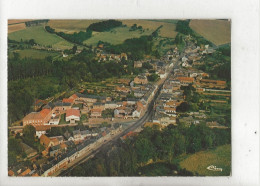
119 97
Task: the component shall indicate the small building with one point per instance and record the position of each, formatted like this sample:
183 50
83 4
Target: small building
110 105
40 130
37 118
77 135
72 115
45 141
138 64
96 113
140 80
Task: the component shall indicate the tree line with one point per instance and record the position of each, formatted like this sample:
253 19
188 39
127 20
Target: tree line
35 22
76 37
128 157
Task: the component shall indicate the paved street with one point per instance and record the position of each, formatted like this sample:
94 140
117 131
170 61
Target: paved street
113 138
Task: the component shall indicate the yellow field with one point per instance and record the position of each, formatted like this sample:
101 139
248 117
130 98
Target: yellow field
219 157
14 21
216 31
70 26
16 27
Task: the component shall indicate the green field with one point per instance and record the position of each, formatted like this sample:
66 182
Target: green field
115 36
219 157
40 36
35 54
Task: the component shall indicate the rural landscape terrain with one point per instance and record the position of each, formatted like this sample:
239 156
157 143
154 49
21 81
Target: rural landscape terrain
119 97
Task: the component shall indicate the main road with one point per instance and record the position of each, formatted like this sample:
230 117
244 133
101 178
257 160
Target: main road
146 117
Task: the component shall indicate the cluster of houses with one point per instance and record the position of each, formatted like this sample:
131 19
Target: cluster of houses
169 98
160 67
102 57
62 150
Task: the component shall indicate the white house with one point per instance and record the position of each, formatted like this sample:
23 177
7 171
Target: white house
72 115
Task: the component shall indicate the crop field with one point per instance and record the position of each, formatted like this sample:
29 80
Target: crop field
70 26
16 21
40 36
35 54
216 31
16 27
116 36
219 157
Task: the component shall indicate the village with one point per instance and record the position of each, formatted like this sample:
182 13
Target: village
97 118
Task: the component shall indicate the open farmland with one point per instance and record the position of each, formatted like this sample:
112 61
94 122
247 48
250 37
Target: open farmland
219 157
168 29
36 54
16 27
16 21
70 26
115 36
118 35
41 37
216 31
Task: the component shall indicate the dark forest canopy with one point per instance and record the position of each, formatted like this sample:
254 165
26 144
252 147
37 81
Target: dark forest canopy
76 37
104 25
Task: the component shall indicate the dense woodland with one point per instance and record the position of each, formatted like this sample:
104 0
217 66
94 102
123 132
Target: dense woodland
104 25
130 157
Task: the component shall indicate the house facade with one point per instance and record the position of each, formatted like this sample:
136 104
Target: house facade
37 118
72 115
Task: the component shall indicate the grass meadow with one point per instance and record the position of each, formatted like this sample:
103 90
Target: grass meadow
35 54
41 36
219 157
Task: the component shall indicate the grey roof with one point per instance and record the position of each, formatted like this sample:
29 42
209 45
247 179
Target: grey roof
67 135
110 102
69 143
84 132
76 132
60 104
50 105
97 103
131 99
90 96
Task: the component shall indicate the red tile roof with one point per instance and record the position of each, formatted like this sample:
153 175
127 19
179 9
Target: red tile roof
72 112
45 140
42 127
189 79
33 116
67 100
74 96
10 173
44 112
213 81
27 171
